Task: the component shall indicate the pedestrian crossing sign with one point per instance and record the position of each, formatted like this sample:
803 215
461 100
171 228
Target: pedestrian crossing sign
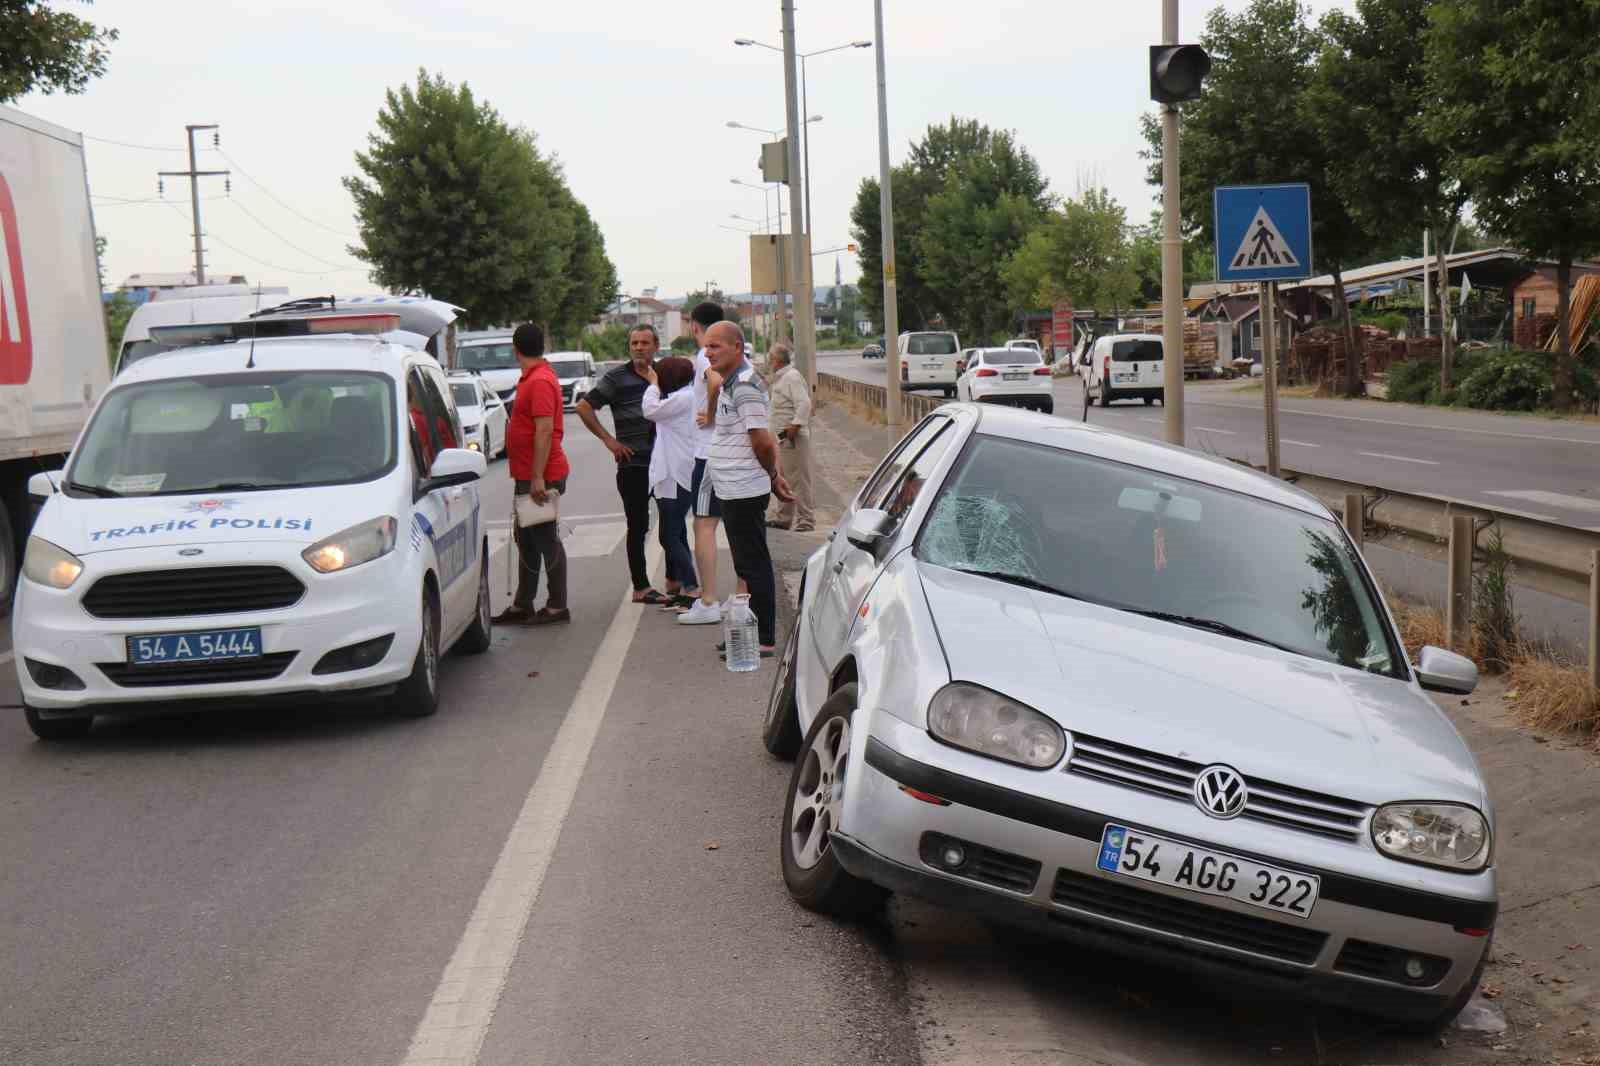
1263 232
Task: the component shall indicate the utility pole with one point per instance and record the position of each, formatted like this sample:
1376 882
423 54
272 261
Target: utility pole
194 177
891 306
1269 370
1171 253
805 325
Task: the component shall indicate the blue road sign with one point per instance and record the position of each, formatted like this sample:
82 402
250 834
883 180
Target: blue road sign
1263 232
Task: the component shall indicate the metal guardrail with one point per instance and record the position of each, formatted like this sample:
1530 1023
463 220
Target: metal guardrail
1558 559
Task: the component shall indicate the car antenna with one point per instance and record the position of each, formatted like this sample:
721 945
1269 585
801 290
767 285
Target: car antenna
250 360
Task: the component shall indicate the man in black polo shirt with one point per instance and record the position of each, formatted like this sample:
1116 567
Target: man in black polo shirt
622 390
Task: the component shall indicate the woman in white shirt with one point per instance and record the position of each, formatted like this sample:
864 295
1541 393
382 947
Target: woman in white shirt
669 403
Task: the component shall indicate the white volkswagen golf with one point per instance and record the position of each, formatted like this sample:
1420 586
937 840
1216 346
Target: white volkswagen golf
289 518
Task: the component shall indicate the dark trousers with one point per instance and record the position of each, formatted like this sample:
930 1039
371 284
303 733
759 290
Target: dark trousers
633 485
746 524
674 536
533 544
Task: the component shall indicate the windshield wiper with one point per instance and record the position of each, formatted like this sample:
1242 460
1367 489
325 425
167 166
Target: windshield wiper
1019 579
1215 626
228 486
94 490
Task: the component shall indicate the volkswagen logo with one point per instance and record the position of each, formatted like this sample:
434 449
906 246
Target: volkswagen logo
1220 792
191 551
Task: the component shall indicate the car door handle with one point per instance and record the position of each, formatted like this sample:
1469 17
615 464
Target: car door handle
838 567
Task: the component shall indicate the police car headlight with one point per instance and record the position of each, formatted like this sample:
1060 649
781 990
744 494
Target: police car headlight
351 547
988 723
48 564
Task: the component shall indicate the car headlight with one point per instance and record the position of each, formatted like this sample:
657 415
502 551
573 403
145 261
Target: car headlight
988 723
351 547
49 564
1439 834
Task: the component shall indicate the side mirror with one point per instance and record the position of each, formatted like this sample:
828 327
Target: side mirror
1445 671
42 486
867 528
455 466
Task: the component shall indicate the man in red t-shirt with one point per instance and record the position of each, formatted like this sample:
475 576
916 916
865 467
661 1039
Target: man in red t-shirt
538 468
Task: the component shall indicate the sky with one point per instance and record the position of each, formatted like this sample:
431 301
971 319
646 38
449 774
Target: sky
633 98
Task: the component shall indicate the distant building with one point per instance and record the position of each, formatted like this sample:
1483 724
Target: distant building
646 311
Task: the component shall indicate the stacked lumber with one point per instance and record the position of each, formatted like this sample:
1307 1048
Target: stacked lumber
1582 305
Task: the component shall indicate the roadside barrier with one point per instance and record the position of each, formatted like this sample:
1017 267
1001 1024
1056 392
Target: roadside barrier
1558 559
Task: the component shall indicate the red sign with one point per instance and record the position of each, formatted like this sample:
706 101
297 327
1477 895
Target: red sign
1061 325
16 340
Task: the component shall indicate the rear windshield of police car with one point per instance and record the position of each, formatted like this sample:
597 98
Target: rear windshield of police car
237 433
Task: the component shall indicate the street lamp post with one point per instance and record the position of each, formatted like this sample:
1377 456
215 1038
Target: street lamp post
776 333
809 360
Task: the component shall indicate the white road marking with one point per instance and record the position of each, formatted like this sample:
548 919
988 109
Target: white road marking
1157 421
463 1004
1402 425
1298 443
1399 458
1213 429
1551 499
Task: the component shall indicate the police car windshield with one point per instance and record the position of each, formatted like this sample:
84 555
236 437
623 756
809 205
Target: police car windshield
486 357
263 430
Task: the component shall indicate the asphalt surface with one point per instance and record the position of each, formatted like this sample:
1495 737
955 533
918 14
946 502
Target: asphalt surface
1538 466
288 887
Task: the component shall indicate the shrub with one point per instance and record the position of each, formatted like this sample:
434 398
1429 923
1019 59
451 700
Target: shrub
1494 613
1392 321
1413 380
1508 381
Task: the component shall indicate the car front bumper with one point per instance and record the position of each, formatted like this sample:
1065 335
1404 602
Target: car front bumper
1032 861
336 611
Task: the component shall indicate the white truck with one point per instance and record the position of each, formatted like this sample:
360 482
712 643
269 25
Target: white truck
53 364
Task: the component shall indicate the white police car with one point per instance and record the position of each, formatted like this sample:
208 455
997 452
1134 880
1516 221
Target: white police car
291 517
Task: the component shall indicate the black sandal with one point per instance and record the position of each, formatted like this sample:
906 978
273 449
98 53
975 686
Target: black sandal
653 598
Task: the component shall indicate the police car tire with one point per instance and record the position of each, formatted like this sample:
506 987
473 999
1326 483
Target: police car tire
479 635
418 695
57 728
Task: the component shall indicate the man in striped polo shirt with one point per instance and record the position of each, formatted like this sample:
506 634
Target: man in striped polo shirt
743 472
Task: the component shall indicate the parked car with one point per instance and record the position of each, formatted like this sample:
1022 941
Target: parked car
1126 366
303 524
1100 687
576 372
483 414
873 350
490 355
928 360
1016 377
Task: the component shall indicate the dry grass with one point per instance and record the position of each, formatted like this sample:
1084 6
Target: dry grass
1547 692
1554 695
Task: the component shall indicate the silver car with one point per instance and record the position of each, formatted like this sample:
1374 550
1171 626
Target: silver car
1131 694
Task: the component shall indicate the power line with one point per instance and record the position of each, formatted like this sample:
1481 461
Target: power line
291 244
125 144
280 201
256 259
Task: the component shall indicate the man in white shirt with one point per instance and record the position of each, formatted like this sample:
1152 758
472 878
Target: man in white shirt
707 512
743 473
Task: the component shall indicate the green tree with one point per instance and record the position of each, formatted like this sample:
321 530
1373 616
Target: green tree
1251 127
1081 251
1514 89
993 196
930 164
458 204
730 307
48 51
118 309
1366 102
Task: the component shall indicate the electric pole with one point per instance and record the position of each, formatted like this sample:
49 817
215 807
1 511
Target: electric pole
891 308
1171 253
805 324
194 177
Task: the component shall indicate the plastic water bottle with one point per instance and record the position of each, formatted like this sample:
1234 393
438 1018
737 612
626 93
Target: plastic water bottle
744 648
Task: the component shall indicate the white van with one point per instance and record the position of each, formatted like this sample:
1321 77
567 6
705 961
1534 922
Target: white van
488 353
196 305
1126 366
576 372
928 361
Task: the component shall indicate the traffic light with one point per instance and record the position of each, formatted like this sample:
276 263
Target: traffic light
1176 71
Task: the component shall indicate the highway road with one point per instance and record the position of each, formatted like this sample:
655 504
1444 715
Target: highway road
574 861
1544 467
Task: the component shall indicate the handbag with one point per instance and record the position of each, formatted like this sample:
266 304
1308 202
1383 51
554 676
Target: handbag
531 513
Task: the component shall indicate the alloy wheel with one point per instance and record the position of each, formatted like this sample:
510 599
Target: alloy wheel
819 792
